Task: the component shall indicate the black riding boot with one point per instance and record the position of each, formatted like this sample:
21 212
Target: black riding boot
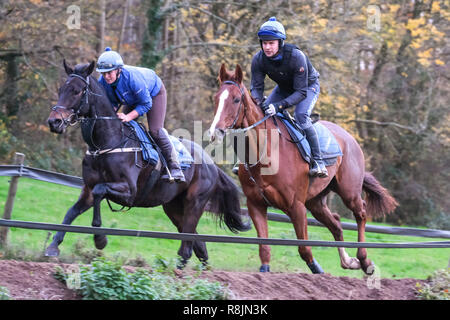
318 168
171 156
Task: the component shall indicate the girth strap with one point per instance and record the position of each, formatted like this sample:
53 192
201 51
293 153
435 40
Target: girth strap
116 150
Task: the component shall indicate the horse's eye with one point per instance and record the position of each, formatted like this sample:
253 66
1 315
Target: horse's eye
237 100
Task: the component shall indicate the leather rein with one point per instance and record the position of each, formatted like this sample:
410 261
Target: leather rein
75 117
231 129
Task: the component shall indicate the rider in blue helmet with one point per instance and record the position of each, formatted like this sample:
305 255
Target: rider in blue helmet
139 91
297 84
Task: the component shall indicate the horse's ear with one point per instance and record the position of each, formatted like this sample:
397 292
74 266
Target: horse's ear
223 73
238 74
90 68
68 69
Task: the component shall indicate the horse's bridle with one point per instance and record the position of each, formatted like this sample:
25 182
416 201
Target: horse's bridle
74 117
89 123
232 128
240 103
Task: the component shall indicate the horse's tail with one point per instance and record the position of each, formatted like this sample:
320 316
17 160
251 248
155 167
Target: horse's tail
225 202
379 200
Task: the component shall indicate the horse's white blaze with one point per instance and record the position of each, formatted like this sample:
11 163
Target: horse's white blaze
222 98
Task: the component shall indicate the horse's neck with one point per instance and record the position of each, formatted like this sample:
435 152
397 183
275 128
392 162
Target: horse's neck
265 143
109 131
101 107
258 138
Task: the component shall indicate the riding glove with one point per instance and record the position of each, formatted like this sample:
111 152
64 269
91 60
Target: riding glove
271 109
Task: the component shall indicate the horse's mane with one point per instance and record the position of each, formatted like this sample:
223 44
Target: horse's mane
96 87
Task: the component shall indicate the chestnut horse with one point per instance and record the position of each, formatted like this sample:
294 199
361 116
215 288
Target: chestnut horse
290 188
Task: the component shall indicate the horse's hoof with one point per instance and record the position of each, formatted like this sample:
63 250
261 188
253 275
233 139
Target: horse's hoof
264 268
100 241
351 263
181 264
315 267
52 251
205 265
368 269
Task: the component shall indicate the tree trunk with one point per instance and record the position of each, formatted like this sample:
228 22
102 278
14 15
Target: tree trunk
101 27
11 90
124 24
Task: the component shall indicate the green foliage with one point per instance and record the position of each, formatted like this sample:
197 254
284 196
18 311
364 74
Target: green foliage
34 204
151 52
108 280
4 294
437 288
7 143
387 87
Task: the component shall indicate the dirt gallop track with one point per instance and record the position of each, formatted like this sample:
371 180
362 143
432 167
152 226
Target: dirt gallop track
34 280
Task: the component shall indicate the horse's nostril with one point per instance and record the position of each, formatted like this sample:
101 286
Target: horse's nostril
55 125
54 122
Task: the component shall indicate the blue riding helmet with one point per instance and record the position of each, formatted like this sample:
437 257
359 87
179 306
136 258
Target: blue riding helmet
272 30
109 60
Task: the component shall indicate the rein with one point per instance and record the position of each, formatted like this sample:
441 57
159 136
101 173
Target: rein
242 130
87 124
231 129
74 117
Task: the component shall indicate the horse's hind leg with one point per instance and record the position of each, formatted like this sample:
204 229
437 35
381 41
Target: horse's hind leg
357 205
322 213
351 196
175 212
84 203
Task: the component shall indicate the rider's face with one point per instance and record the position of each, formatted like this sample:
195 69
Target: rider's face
270 47
110 76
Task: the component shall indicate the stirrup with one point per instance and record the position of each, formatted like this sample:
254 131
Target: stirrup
318 170
171 177
235 169
168 176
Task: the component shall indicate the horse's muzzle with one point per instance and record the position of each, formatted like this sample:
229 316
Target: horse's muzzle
216 136
56 125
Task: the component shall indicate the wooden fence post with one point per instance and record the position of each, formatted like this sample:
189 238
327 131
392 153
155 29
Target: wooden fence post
20 157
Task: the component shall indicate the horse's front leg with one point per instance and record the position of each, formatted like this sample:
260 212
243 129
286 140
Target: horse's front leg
258 214
84 203
113 190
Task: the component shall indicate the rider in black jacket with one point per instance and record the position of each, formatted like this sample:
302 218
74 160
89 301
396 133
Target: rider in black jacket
297 84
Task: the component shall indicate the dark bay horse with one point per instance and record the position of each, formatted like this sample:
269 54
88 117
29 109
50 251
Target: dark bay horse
289 188
114 170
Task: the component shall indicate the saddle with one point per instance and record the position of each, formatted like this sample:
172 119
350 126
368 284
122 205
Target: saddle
328 143
150 150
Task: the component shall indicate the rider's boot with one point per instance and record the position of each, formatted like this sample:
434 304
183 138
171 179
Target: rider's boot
171 156
318 168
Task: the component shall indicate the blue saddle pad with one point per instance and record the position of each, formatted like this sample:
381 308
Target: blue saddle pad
328 144
149 152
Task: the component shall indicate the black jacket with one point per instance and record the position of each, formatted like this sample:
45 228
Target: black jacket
293 73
